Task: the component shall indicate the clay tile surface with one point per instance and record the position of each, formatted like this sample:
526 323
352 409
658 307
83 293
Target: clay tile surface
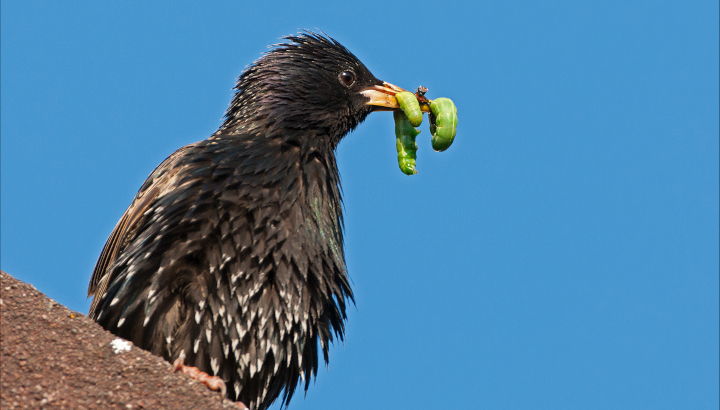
51 357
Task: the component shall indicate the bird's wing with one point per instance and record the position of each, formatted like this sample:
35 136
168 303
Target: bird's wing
161 180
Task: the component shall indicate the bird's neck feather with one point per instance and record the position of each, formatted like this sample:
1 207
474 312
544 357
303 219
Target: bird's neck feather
271 111
295 169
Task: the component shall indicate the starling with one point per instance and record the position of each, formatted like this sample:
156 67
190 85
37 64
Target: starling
230 258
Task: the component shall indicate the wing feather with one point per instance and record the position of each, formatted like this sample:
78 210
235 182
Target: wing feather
161 181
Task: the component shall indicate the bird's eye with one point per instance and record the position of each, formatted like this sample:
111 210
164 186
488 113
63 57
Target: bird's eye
347 78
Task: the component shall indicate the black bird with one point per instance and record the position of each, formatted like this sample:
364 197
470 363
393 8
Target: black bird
230 258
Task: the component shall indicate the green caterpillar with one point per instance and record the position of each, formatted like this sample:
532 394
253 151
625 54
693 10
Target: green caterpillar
410 106
443 123
443 126
405 144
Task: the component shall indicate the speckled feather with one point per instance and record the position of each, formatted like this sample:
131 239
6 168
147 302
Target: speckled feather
231 255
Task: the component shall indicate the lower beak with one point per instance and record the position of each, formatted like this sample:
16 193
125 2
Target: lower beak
382 97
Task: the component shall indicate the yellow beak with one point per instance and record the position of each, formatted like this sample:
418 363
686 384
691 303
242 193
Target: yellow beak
382 97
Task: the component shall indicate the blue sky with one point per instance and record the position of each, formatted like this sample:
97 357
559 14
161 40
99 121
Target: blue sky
563 254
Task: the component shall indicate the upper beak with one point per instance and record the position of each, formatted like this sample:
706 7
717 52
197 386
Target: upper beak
382 97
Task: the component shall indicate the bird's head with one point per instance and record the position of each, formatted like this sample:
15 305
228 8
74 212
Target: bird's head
309 83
